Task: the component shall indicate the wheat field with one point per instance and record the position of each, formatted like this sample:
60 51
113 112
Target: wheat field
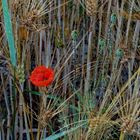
69 70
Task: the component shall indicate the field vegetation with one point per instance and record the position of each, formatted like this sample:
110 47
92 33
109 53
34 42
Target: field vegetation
69 70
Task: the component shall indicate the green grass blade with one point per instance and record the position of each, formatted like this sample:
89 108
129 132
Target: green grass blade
9 33
33 92
63 133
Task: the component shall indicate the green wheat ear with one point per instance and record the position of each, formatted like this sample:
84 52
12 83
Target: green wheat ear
9 33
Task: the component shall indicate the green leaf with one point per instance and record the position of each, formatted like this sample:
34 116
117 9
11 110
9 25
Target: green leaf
33 92
63 133
9 33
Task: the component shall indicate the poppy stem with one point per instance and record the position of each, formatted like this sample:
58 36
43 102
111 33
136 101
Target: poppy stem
42 107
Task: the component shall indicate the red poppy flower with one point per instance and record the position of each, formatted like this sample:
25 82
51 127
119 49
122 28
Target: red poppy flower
42 76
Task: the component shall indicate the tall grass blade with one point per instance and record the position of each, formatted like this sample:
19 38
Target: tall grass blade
63 133
9 33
